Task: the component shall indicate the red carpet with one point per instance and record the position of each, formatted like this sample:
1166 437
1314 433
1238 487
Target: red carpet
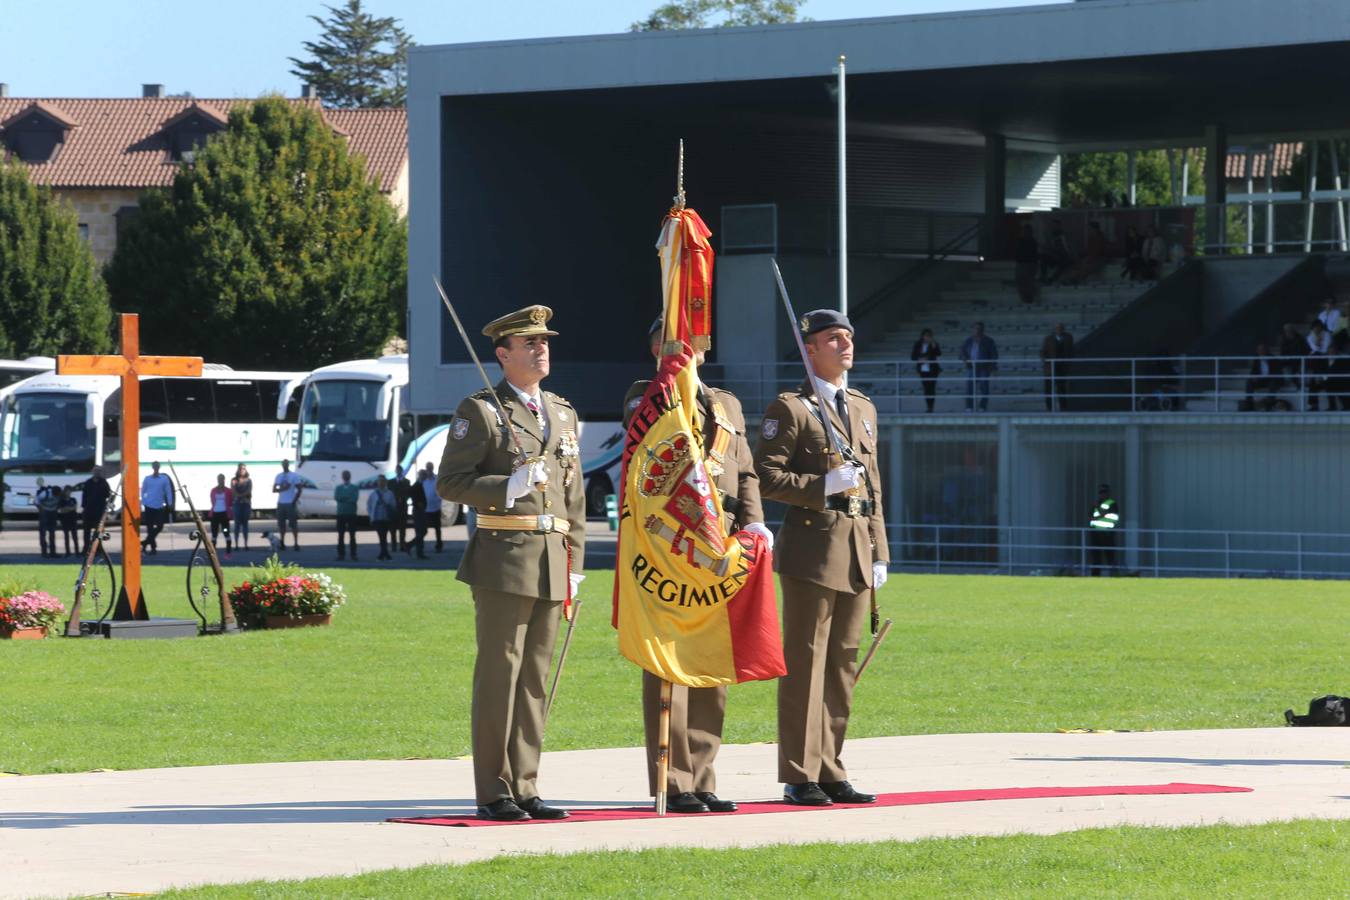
917 798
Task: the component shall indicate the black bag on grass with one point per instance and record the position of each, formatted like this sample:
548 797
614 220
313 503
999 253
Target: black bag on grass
1328 710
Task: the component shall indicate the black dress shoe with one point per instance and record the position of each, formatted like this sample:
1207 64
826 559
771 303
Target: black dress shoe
538 809
715 804
808 794
843 792
503 810
685 802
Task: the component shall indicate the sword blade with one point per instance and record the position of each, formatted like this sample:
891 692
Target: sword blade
562 658
872 650
487 382
810 374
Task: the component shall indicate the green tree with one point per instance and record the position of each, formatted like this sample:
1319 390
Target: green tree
360 60
1092 177
52 299
271 250
681 14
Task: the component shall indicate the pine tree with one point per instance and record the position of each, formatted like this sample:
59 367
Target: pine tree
360 60
681 14
271 250
52 299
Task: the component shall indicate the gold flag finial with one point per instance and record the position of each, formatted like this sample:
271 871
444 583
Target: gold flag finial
679 178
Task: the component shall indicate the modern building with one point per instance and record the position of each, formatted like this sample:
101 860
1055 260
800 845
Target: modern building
99 154
540 170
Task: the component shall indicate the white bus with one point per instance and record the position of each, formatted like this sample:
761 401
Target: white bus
59 427
12 371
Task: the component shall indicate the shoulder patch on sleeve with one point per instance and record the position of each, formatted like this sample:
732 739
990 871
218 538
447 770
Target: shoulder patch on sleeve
769 428
459 428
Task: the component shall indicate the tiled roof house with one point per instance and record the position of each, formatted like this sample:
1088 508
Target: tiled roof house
100 153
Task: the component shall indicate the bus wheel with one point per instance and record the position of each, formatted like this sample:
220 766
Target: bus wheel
597 489
450 513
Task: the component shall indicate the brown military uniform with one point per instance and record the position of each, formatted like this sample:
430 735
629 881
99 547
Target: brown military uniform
696 714
519 577
824 560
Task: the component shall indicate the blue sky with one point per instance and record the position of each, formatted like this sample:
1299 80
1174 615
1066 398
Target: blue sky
239 48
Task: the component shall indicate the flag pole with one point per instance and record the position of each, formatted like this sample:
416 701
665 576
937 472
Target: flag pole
843 196
663 748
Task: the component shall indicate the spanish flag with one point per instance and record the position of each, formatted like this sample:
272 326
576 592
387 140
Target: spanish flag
693 605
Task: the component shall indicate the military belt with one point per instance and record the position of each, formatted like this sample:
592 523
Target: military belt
849 506
543 524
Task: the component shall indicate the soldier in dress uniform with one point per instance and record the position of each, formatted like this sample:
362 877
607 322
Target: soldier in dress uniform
833 554
696 714
524 559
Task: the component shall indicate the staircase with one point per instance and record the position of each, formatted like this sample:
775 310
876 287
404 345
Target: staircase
988 294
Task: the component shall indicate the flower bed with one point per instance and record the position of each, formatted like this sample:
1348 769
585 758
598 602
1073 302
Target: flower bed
28 612
275 591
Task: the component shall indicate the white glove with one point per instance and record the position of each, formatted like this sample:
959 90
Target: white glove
576 582
523 481
843 478
879 575
762 530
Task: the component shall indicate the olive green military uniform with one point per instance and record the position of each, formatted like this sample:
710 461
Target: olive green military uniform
696 714
519 575
824 559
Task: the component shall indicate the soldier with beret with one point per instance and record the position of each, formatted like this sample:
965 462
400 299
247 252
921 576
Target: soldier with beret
832 553
696 714
523 560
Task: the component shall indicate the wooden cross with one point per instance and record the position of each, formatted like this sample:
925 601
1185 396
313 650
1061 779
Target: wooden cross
129 366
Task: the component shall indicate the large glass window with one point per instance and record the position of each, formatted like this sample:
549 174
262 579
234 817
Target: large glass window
189 399
154 405
341 420
237 401
47 433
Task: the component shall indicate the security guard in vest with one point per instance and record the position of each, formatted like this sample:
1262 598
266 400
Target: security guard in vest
832 553
1102 531
524 558
696 714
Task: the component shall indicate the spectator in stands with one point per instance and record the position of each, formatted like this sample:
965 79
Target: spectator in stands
1155 254
1293 347
1056 256
1338 379
1264 376
925 353
980 354
1027 256
1094 256
1319 348
1133 268
1056 349
1330 316
1343 324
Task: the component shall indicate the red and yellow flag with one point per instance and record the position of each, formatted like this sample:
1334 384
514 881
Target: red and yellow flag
693 605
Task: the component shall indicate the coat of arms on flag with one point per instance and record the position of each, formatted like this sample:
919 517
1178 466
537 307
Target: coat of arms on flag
693 604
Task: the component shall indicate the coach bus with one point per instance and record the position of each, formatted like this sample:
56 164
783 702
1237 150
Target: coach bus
58 427
12 371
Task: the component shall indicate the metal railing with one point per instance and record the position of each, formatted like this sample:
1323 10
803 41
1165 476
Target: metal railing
878 230
1153 552
1208 384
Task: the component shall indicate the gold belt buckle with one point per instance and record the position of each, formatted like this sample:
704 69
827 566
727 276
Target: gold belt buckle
855 506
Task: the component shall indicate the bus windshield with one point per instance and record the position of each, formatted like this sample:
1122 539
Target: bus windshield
46 433
340 420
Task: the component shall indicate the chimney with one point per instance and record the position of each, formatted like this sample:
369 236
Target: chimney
4 89
307 92
152 90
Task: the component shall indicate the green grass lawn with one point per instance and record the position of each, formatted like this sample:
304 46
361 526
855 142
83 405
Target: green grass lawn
391 677
1286 859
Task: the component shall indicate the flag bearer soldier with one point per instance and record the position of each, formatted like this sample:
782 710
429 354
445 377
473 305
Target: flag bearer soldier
696 714
524 558
833 553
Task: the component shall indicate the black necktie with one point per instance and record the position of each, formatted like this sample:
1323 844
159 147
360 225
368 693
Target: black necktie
841 403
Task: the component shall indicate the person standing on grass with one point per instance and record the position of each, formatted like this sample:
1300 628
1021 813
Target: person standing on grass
1102 532
68 514
832 553
241 488
156 506
427 484
380 510
418 498
346 495
47 499
94 496
222 499
288 488
524 560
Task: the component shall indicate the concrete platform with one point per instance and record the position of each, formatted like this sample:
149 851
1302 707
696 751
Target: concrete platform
151 829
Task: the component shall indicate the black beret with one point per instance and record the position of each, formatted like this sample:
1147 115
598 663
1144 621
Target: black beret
821 319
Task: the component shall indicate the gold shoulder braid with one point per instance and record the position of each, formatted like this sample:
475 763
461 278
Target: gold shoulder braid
723 431
569 455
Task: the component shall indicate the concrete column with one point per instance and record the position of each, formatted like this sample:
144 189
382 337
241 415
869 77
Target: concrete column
1216 187
995 193
893 489
1006 436
1133 494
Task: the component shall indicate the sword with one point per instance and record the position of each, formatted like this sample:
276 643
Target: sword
562 658
492 392
872 650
